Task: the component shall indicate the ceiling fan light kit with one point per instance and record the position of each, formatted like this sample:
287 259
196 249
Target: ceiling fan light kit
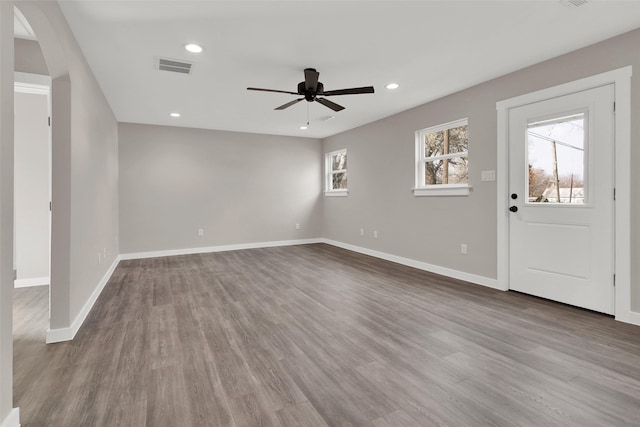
312 90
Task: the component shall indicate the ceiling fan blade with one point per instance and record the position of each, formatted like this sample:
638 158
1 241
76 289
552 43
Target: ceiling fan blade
288 104
351 91
332 105
311 79
272 90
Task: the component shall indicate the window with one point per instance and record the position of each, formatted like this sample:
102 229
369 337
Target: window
442 159
557 153
336 170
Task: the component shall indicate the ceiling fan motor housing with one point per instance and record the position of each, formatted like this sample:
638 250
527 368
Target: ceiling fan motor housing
310 95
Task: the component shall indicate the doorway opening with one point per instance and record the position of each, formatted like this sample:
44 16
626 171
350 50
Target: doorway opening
32 190
32 196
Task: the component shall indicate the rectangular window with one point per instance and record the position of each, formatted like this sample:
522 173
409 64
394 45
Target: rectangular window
442 160
557 153
336 172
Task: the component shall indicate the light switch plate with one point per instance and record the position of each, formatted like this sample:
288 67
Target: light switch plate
488 176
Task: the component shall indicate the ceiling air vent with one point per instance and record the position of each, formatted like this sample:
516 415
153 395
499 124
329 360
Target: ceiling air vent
174 66
574 3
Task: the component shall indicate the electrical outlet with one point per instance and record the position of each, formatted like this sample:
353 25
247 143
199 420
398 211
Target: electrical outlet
99 257
463 249
104 253
375 234
297 226
362 231
200 232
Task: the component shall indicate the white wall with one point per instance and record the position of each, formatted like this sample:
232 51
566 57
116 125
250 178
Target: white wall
240 188
32 183
84 170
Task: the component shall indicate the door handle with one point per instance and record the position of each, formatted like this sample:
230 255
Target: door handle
513 209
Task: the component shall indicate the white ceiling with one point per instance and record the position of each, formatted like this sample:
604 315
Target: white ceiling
431 48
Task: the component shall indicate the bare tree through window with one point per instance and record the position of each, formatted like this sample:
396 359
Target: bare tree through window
446 156
556 157
336 165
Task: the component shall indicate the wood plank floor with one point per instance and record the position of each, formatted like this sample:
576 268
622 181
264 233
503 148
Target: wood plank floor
318 336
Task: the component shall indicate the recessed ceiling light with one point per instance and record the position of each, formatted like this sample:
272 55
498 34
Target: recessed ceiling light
175 114
193 48
392 86
304 127
327 118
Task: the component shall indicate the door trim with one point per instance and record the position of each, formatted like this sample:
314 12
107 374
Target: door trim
621 79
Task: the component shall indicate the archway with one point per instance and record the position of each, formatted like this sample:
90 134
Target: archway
53 52
60 162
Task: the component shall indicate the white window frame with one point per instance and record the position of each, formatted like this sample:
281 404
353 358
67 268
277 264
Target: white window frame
421 189
329 172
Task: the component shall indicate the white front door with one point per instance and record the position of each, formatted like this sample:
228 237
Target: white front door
562 199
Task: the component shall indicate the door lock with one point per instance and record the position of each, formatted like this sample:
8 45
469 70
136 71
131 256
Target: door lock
514 196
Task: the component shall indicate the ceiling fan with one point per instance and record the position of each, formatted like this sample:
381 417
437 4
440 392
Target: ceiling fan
311 89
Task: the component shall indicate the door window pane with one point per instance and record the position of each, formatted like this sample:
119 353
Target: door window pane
556 153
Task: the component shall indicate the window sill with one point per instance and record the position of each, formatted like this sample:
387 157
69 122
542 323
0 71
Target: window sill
336 193
442 190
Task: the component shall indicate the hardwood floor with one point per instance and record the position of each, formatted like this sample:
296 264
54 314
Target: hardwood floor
318 336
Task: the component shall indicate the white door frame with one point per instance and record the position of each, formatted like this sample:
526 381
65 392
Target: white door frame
621 79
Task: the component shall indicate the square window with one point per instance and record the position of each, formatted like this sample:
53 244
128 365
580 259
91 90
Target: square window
442 159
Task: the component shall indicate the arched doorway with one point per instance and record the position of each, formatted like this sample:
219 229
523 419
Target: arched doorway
61 185
60 162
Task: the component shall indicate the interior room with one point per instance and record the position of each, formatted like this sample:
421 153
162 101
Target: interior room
318 213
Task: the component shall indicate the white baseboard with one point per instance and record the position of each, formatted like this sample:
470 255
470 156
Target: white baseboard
67 334
36 281
223 248
632 317
13 419
480 280
460 275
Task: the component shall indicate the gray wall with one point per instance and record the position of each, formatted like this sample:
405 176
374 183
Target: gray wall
31 185
6 209
29 58
431 229
85 168
237 187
